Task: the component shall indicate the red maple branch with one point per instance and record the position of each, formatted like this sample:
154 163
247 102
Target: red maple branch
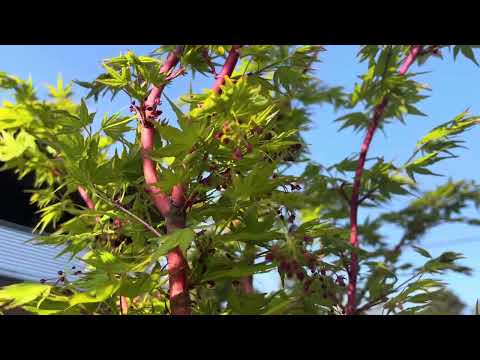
91 205
88 201
227 68
171 207
208 59
354 201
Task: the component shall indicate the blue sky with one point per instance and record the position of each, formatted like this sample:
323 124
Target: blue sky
455 87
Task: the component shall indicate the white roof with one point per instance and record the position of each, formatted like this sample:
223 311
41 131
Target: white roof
26 261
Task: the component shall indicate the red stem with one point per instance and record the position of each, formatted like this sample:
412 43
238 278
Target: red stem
90 204
354 201
153 99
227 68
247 284
169 207
88 201
176 262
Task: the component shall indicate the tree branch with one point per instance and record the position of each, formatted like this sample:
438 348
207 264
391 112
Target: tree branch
129 213
171 207
227 68
88 201
354 203
207 58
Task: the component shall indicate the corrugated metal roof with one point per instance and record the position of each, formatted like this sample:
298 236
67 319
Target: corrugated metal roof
26 261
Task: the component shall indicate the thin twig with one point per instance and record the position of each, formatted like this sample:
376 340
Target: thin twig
367 195
121 208
381 297
208 59
342 192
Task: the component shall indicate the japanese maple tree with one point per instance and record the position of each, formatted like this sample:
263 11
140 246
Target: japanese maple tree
178 215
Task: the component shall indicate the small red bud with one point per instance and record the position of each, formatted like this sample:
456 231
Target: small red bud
307 284
249 148
300 275
218 135
307 239
340 281
117 223
237 154
294 265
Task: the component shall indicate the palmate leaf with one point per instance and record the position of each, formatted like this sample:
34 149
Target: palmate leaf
467 51
116 125
237 271
246 304
181 238
249 237
422 251
14 116
107 262
448 130
99 294
12 147
16 295
444 262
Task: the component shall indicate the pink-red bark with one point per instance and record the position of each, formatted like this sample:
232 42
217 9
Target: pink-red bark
354 201
172 207
227 68
169 206
247 284
91 205
88 201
